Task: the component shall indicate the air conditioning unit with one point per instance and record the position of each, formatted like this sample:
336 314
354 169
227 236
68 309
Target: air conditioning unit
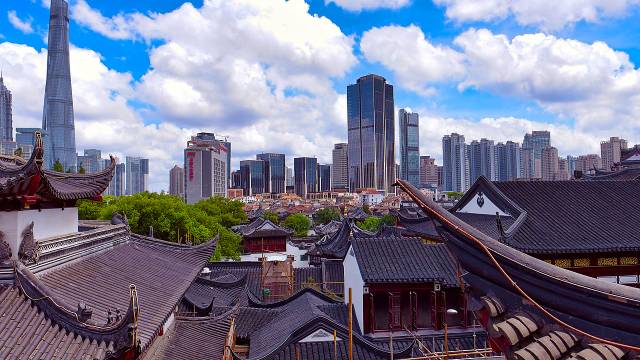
436 287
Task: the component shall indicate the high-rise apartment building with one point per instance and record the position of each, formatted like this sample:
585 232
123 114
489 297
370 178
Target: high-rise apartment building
275 172
137 175
610 152
527 164
340 167
409 146
176 181
588 164
481 156
563 169
455 172
571 165
205 167
371 134
324 178
508 159
305 173
537 141
6 113
549 163
117 184
428 171
252 177
57 119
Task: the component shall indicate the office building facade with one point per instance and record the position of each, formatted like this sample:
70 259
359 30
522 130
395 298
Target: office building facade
371 134
305 173
176 181
57 119
205 167
340 167
117 184
137 178
409 127
324 178
455 172
275 172
252 179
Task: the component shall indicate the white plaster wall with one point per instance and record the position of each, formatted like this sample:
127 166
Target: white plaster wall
353 280
488 208
291 250
47 223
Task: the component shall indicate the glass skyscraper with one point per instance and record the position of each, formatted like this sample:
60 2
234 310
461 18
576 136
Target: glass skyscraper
324 178
371 134
137 175
305 173
57 118
409 147
6 117
275 172
252 179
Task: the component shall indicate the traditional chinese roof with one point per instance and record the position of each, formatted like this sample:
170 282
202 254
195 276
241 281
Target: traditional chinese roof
196 338
550 217
627 174
535 310
261 227
416 223
403 260
328 228
357 214
24 183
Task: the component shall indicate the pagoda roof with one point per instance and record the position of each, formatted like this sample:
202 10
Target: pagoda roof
27 183
555 217
527 304
626 174
261 227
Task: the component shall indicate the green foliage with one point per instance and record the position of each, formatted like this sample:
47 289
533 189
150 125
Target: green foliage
299 223
57 166
324 216
18 152
173 220
81 170
271 216
454 194
374 223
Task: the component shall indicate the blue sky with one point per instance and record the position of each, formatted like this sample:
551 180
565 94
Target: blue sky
272 75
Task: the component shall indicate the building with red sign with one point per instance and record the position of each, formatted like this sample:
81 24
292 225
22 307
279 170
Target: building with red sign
205 164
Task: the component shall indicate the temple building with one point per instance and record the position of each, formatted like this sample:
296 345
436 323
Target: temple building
263 236
628 168
531 308
71 289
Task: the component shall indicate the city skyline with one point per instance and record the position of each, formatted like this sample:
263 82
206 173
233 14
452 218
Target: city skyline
117 94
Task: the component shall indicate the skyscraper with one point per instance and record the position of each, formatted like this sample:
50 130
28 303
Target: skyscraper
6 117
371 134
275 172
537 141
610 152
305 173
587 164
409 146
117 184
340 167
455 170
176 181
324 178
428 171
91 161
481 155
527 164
549 163
252 179
57 119
137 175
508 161
205 166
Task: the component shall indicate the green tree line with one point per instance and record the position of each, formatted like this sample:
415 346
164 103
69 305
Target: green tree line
174 220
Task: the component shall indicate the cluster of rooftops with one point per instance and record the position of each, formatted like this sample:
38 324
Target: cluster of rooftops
102 292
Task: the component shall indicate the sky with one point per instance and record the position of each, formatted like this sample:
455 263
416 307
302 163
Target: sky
272 74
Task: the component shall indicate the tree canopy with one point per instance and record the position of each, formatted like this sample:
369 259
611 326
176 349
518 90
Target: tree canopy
173 220
299 223
326 215
57 166
271 216
374 223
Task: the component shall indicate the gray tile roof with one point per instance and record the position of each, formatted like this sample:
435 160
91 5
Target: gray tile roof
404 260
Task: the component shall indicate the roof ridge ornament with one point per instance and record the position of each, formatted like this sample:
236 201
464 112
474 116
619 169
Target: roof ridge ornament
29 252
38 149
5 249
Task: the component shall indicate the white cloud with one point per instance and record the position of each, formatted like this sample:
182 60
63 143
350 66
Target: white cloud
359 5
591 83
259 71
22 25
415 61
545 14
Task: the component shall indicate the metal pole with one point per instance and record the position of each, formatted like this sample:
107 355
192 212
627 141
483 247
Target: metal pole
446 341
350 325
391 345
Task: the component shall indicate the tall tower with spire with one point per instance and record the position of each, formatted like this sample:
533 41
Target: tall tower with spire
6 121
57 119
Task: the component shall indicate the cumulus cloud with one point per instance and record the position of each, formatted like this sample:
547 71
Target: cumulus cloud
259 71
545 14
359 5
591 83
415 61
22 25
